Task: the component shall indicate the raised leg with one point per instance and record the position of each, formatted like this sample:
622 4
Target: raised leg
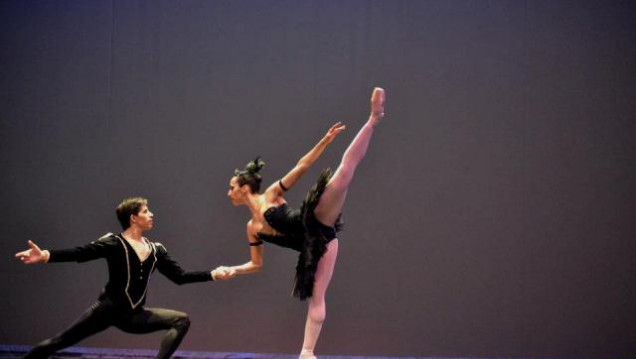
333 198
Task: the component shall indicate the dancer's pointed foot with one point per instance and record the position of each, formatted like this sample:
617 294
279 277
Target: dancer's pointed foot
377 104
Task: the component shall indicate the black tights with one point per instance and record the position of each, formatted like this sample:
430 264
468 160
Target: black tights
102 315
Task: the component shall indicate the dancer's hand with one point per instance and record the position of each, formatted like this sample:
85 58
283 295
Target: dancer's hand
33 255
224 273
377 102
334 131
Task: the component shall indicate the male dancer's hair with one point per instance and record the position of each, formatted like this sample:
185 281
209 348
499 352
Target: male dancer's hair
128 207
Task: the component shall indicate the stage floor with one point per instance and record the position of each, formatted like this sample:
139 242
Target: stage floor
18 351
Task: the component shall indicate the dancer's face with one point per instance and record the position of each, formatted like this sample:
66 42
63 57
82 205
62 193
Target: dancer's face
236 194
143 219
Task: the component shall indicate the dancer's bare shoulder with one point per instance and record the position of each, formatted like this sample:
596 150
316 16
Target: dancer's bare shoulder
253 228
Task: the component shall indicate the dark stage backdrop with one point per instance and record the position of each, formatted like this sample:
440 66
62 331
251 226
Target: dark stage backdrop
492 217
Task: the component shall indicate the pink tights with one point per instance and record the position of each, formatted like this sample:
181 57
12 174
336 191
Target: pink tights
327 212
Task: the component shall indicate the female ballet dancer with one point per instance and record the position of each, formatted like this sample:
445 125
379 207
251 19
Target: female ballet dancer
311 230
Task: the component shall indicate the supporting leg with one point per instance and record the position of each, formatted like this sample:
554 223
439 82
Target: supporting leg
175 323
317 310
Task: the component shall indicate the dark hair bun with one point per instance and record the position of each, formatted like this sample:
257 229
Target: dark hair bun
255 165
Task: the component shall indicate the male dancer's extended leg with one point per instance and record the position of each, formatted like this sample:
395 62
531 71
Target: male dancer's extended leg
151 320
94 320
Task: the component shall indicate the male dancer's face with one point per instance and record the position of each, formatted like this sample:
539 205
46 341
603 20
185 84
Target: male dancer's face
143 219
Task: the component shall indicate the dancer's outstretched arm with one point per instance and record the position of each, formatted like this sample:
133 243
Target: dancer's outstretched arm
256 255
290 179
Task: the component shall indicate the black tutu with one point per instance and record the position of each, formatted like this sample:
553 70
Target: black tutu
311 242
317 235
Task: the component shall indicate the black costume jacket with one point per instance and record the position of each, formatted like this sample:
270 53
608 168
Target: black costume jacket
128 275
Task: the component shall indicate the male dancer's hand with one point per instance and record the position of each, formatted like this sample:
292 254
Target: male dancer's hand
33 255
223 273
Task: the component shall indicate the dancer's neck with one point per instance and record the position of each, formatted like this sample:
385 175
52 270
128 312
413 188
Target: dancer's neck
133 233
254 203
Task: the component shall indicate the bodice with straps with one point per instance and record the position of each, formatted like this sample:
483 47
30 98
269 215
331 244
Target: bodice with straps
288 223
284 219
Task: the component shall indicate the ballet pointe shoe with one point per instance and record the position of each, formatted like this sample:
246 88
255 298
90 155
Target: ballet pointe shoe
377 104
306 356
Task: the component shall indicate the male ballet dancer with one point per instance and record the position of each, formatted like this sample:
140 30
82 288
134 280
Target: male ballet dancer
131 260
